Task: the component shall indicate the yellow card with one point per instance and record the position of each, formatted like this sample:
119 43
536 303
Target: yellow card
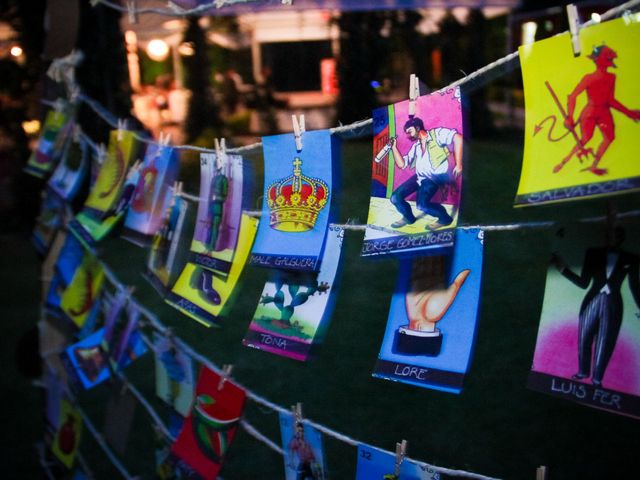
106 191
201 294
82 293
582 128
67 437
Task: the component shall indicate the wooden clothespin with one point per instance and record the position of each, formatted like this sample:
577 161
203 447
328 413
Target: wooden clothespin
541 473
574 28
401 452
132 11
59 105
133 170
101 153
629 17
298 130
414 93
220 146
77 133
74 94
164 139
296 410
225 375
122 126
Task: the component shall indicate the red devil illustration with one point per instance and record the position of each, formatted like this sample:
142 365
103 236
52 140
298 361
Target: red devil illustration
599 87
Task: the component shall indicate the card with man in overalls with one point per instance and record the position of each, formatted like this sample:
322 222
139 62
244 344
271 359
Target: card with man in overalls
416 175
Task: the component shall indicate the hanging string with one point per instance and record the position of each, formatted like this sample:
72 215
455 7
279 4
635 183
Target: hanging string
146 405
354 129
155 323
42 460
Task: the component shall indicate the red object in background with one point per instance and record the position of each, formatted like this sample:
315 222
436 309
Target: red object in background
328 75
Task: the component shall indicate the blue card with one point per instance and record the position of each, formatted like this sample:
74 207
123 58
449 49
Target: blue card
68 261
302 444
432 319
298 197
152 194
74 165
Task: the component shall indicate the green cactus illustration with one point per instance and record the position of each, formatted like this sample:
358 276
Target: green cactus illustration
297 298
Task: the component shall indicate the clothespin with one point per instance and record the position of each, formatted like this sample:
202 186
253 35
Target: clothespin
629 17
122 126
132 11
541 473
128 292
221 150
59 105
296 410
414 93
74 94
298 130
401 452
226 375
574 28
164 139
101 153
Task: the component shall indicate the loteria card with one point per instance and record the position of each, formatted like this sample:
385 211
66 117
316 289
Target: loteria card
416 175
205 296
164 246
432 319
297 206
85 361
74 165
582 128
111 192
104 196
53 211
588 345
68 261
295 308
50 144
67 437
124 340
152 194
378 464
175 381
217 227
80 298
53 396
211 426
302 444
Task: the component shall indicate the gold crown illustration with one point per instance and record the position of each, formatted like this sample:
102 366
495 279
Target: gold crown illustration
296 201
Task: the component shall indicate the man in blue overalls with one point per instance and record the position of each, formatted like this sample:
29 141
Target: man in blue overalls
429 156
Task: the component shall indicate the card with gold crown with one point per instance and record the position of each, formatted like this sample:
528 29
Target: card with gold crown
298 200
